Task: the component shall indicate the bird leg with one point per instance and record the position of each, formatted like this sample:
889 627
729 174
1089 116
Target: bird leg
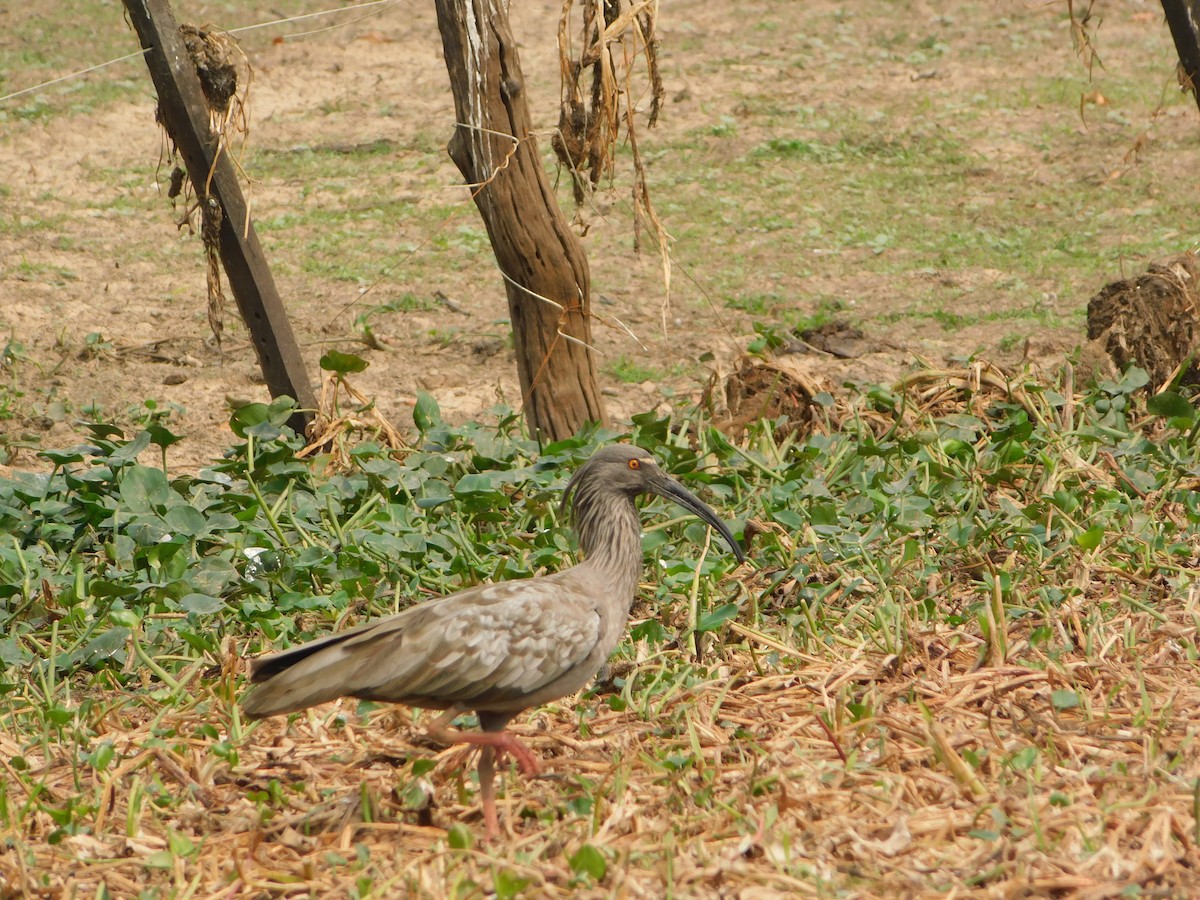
502 741
494 742
487 792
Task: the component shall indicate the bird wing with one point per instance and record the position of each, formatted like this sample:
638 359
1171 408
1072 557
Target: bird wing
493 644
490 645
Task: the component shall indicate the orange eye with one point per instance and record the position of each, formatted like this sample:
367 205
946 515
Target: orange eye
635 464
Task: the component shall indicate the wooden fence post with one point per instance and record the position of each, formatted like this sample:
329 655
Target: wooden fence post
185 114
1183 17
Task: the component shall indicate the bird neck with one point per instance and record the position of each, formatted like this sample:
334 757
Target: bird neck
610 535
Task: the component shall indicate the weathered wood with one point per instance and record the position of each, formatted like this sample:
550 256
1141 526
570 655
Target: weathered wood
543 263
184 113
1183 17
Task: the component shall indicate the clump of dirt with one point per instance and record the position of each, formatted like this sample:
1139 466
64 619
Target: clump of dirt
838 339
766 389
1151 320
212 54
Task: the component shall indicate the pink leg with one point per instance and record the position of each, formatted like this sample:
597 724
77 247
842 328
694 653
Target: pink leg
493 744
503 741
487 791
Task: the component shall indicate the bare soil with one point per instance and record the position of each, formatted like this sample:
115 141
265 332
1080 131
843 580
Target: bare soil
110 261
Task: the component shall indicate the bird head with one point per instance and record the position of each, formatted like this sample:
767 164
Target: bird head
622 469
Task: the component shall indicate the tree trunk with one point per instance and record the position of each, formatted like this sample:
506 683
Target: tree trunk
1183 17
543 263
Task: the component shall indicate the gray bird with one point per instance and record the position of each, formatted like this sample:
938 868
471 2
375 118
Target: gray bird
496 649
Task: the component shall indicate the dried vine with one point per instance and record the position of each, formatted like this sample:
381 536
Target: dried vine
610 64
218 59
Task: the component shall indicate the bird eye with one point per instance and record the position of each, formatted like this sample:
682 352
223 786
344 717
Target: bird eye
635 464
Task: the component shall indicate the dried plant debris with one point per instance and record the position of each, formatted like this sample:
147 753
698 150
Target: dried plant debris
213 54
613 37
225 75
1003 781
211 217
782 390
795 393
345 418
614 62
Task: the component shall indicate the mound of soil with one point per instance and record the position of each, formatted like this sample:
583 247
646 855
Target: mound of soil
212 54
765 389
1151 320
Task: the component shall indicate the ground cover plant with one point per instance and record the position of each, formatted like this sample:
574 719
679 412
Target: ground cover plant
963 657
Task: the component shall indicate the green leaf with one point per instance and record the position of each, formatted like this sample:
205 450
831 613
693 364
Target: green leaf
715 618
791 520
651 630
264 431
161 436
589 861
423 766
1171 405
186 520
1133 379
459 837
1091 538
508 884
160 859
1024 759
144 488
343 363
201 604
414 796
983 834
62 457
1064 699
212 575
129 452
426 414
476 483
107 644
103 430
102 756
10 651
147 531
246 417
180 844
124 618
431 502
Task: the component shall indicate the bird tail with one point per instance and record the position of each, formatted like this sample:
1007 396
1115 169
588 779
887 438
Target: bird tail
298 678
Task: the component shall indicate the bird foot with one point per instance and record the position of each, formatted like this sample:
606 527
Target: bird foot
527 760
501 741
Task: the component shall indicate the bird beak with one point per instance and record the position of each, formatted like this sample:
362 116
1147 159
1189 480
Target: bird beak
668 487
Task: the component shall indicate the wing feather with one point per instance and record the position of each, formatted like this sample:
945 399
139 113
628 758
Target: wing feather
521 638
491 645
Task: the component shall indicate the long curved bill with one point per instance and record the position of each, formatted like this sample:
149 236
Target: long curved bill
672 490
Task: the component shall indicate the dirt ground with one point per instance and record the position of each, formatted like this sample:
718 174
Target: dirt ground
110 262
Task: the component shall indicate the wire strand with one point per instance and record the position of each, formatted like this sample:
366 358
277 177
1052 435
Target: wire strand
136 54
52 81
